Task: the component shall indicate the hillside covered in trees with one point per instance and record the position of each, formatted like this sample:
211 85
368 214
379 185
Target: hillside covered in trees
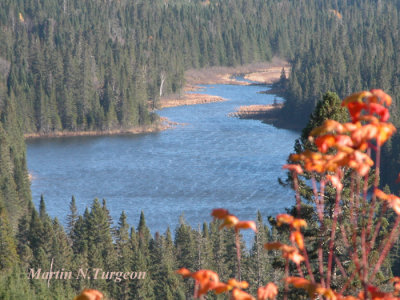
68 65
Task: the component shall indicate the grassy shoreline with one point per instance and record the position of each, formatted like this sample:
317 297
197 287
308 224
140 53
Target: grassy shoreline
162 124
260 73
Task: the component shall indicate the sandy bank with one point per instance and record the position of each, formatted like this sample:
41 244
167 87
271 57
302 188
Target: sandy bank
189 99
268 114
261 73
267 76
162 124
258 112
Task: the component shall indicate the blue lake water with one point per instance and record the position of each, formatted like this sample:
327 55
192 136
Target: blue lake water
213 161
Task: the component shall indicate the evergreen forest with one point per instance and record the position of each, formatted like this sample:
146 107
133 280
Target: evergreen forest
69 65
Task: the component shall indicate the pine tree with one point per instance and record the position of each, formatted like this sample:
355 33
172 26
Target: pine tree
258 265
42 209
72 217
124 253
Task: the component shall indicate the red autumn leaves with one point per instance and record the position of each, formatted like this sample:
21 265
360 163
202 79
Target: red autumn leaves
231 221
392 200
290 252
207 280
349 140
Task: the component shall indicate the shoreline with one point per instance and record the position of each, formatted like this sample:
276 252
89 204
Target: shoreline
189 99
260 73
163 124
263 73
267 114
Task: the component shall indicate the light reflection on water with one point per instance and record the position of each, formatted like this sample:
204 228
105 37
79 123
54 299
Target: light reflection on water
213 161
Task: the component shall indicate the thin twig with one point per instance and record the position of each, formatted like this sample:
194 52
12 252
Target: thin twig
376 182
393 235
333 233
237 242
285 297
296 188
338 262
378 225
321 232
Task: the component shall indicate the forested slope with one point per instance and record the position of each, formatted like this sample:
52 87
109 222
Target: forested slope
100 65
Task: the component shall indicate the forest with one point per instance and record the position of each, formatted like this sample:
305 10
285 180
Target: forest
68 65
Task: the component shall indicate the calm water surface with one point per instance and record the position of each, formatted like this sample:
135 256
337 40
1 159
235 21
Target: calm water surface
213 161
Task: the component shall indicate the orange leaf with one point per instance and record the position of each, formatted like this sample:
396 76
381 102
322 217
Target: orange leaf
273 246
297 237
229 221
396 283
246 225
204 276
291 221
270 291
350 127
221 287
327 293
295 256
364 133
335 181
381 194
241 295
284 219
219 213
355 110
327 126
343 140
288 252
297 223
385 131
325 142
356 98
378 295
312 289
238 284
393 200
382 96
184 272
298 282
294 168
89 294
207 280
380 110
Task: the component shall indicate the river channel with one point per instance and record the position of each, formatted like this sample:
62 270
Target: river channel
210 162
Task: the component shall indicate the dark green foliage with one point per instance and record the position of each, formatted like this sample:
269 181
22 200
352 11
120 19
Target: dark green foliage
96 66
93 244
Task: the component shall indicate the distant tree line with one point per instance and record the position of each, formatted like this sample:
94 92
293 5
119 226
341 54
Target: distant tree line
100 65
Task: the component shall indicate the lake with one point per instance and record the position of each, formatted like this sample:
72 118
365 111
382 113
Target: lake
213 161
